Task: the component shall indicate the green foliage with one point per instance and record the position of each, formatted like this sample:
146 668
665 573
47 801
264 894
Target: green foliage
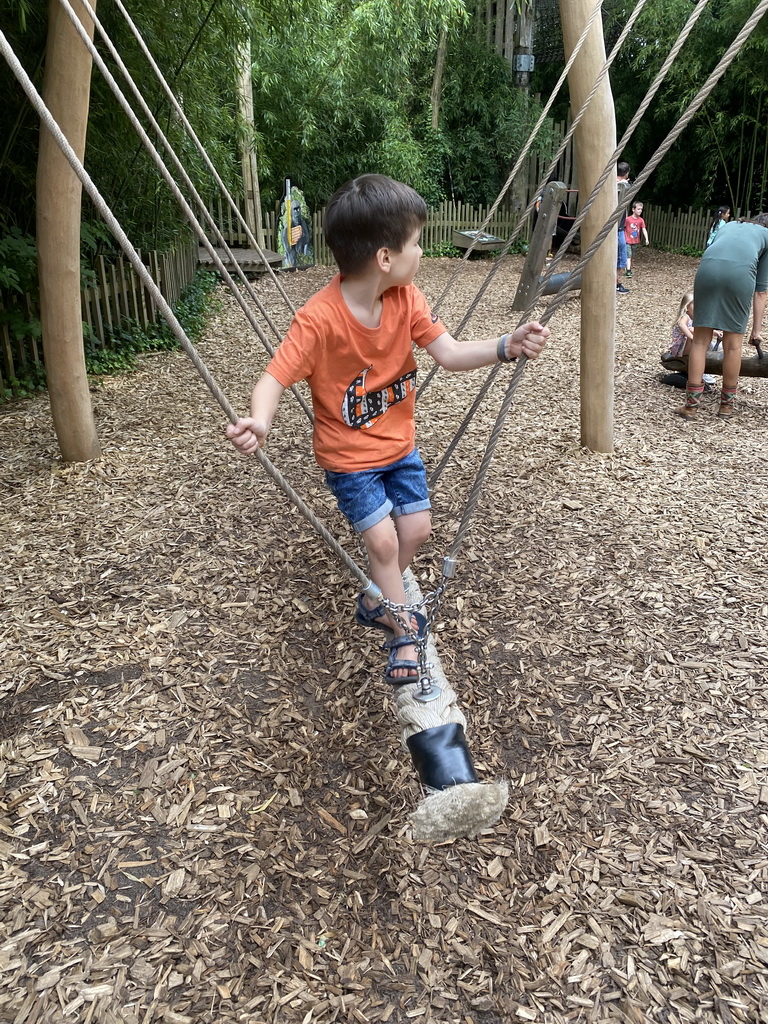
683 250
341 89
129 340
723 151
443 249
118 355
31 378
18 262
487 120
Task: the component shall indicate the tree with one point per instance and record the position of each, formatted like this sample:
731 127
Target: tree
722 149
66 91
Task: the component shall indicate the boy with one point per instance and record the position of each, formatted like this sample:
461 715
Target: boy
634 227
352 342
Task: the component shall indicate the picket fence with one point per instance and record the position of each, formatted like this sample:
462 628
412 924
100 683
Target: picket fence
668 228
117 295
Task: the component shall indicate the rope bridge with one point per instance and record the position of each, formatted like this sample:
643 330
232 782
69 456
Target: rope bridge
432 723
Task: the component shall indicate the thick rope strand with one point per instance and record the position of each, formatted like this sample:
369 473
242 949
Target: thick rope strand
178 195
202 151
133 257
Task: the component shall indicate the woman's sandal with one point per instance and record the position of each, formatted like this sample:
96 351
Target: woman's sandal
395 664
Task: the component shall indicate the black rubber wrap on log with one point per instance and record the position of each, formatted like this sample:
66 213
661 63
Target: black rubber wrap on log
441 756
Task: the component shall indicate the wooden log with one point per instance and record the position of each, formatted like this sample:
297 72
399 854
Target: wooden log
751 366
595 141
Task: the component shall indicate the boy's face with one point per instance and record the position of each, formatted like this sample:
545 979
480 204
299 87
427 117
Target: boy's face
405 264
637 209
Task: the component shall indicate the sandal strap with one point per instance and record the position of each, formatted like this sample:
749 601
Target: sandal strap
369 615
395 664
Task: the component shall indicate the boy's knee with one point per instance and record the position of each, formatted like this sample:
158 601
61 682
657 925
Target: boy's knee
382 544
424 531
417 529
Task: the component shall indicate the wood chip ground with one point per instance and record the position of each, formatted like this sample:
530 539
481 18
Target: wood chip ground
204 808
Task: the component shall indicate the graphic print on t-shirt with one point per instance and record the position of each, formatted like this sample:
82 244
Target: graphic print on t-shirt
360 408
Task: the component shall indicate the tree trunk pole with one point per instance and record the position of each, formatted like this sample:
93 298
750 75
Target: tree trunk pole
437 79
594 142
248 158
66 92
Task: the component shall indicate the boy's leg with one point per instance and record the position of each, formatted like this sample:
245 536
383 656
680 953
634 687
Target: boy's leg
383 549
412 531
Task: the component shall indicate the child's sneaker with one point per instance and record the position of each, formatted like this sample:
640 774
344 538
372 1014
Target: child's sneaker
622 289
628 273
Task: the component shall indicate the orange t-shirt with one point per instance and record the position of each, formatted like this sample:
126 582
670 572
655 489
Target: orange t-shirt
362 379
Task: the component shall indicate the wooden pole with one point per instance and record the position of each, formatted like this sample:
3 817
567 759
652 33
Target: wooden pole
66 92
248 158
595 140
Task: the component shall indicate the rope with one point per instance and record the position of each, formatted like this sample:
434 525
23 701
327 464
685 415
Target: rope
690 112
202 151
613 220
161 166
114 226
542 183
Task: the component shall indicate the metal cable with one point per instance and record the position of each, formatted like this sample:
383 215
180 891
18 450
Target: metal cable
202 151
114 226
168 178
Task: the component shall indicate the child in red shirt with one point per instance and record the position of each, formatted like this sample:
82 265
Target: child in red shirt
352 343
634 227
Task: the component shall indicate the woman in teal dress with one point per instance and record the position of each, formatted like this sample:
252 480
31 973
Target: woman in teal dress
731 281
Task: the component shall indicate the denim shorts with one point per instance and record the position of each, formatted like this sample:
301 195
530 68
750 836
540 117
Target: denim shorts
621 258
369 495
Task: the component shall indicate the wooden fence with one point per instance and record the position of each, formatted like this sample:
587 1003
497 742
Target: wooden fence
117 295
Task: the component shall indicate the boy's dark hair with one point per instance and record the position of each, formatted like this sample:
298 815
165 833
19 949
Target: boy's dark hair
622 169
369 213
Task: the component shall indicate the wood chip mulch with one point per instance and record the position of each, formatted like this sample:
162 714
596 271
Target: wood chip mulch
204 806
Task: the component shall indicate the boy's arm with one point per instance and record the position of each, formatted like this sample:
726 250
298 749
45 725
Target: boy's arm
469 355
250 432
645 234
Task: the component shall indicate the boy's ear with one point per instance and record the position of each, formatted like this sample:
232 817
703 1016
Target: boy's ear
383 260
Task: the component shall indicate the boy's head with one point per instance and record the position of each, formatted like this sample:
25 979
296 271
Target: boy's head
370 213
637 209
622 169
